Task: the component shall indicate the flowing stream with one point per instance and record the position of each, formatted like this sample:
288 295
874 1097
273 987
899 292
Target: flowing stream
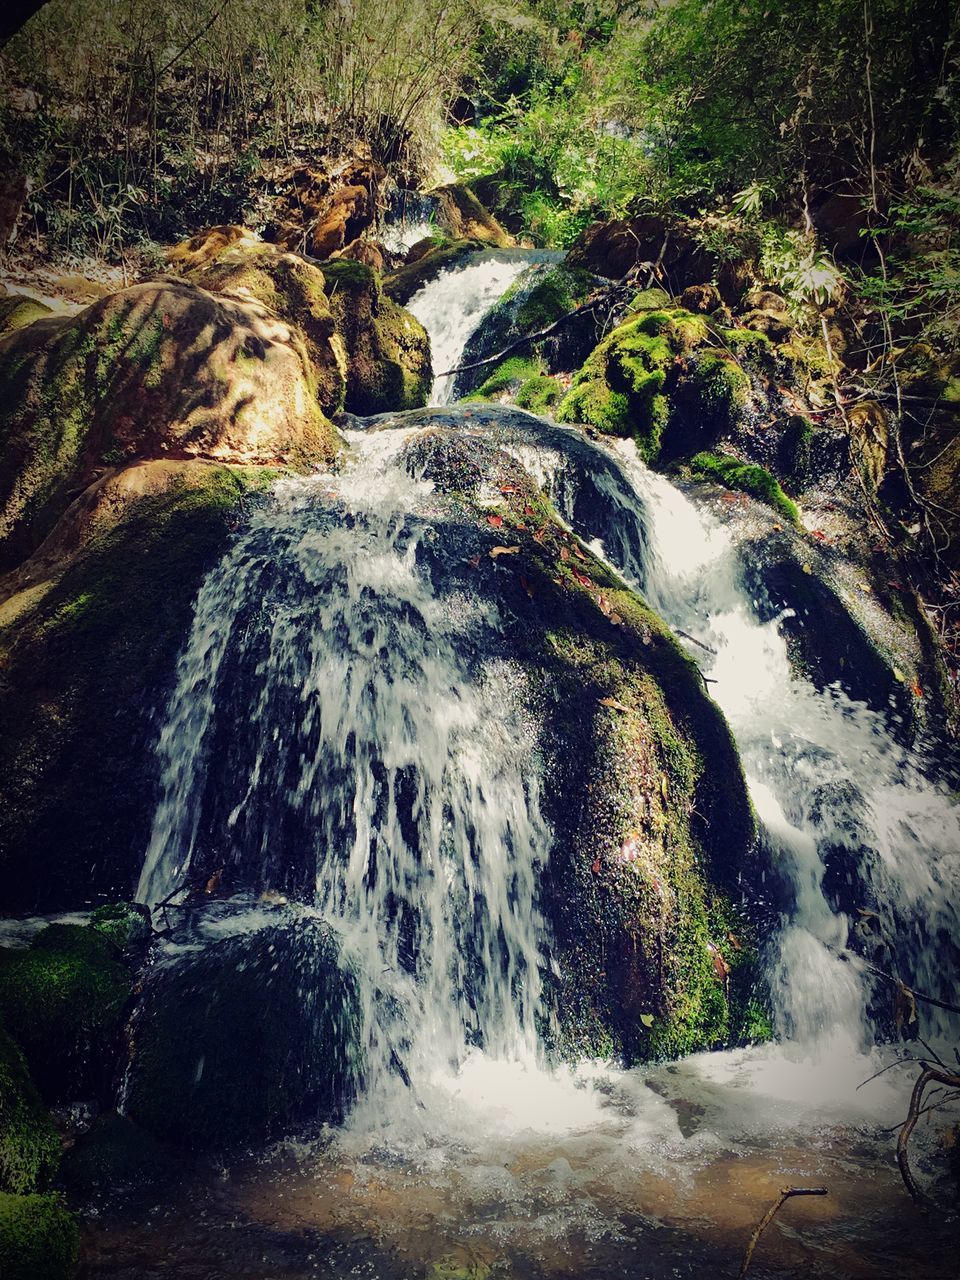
329 700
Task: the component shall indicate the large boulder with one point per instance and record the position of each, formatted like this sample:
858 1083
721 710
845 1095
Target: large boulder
90 627
387 350
243 1035
322 210
156 370
661 378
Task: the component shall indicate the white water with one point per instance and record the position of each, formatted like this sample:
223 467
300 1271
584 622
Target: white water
452 306
406 763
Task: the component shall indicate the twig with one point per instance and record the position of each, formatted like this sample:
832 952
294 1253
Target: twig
693 640
769 1216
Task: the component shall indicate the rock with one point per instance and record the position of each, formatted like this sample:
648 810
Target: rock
635 887
29 1144
387 350
541 295
63 999
655 379
700 298
765 300
17 311
869 431
465 218
775 325
370 253
126 925
156 369
39 1238
115 1156
614 248
206 246
239 1038
746 478
322 212
90 628
294 290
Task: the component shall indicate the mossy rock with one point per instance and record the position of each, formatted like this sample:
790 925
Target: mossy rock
644 792
63 999
238 1039
506 379
16 312
116 1155
465 218
156 369
544 293
29 1145
387 350
540 394
620 388
747 478
295 291
125 925
39 1238
402 284
89 635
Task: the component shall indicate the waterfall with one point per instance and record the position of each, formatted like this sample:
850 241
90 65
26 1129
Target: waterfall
827 776
330 711
452 306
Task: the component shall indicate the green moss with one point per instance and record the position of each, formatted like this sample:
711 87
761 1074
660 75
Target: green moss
63 999
39 1238
123 924
29 1146
539 393
756 481
344 273
86 666
17 311
796 450
508 376
651 300
554 294
721 388
619 388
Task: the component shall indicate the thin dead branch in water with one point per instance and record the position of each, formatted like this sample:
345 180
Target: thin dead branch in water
786 1194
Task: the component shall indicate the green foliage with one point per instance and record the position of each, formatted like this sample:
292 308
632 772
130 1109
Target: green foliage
734 474
509 375
29 1145
39 1238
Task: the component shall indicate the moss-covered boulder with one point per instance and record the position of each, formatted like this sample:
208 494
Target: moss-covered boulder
657 378
39 1238
115 1156
29 1145
90 628
387 350
462 215
238 1038
16 312
544 293
652 829
156 370
295 291
63 999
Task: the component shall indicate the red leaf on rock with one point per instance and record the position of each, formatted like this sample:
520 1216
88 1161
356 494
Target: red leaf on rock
528 510
596 866
474 561
582 579
496 521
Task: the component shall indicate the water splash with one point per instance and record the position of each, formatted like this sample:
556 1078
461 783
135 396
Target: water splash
363 725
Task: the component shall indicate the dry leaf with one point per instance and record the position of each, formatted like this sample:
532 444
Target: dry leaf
503 551
496 521
614 704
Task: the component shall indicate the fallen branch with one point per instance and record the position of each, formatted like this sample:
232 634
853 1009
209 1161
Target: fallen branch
769 1216
927 1076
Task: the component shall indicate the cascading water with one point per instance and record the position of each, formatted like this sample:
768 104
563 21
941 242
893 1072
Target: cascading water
826 774
452 306
381 755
